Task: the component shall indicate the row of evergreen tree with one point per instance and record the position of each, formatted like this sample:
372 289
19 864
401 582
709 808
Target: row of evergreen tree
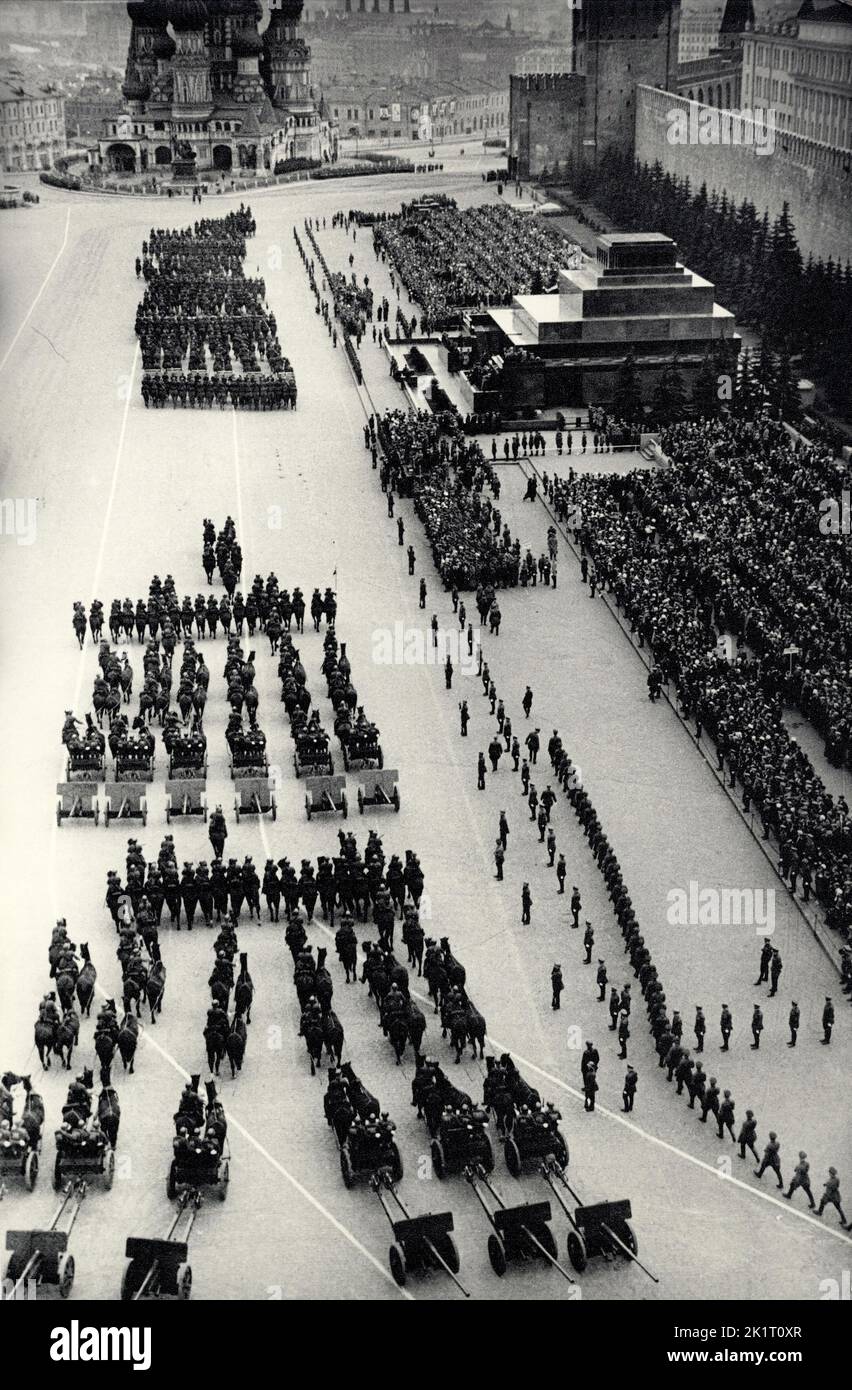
802 310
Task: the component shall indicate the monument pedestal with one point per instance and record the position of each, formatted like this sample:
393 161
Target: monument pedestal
184 171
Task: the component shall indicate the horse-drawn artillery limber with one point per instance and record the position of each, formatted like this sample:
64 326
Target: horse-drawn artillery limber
378 788
188 756
125 801
83 1151
364 1132
85 761
248 752
20 1142
157 1267
601 1229
326 796
43 1256
186 797
535 1136
254 797
77 801
518 1234
134 760
420 1243
462 1139
201 1155
360 745
312 754
369 1146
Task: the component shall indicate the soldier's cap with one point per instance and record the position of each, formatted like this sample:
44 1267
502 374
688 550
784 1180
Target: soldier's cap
749 1114
793 1004
833 1172
828 999
772 1134
727 1095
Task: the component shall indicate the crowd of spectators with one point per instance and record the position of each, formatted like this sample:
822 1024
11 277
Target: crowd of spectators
450 260
427 457
205 332
720 564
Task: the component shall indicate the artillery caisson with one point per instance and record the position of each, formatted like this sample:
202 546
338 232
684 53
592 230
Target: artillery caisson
518 1234
421 1243
158 1267
43 1256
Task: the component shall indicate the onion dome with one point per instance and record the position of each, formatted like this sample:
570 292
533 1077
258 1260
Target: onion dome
246 43
163 45
188 14
149 12
236 9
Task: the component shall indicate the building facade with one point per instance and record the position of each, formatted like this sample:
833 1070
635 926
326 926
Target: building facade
803 70
205 89
590 106
408 113
32 125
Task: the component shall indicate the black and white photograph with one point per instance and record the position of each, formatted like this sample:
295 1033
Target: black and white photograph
426 539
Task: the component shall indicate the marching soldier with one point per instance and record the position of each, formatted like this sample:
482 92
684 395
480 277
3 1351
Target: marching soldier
504 830
551 847
801 1178
683 1072
623 1034
699 1028
629 1090
614 1009
698 1086
756 1026
516 754
827 1021
831 1197
793 1021
480 772
464 717
710 1100
726 1027
748 1135
561 872
726 1117
771 1159
775 968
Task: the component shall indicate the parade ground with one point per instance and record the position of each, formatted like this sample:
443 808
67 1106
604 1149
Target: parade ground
119 494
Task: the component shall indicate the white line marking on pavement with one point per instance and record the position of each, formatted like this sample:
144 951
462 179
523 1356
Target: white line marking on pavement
10 349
